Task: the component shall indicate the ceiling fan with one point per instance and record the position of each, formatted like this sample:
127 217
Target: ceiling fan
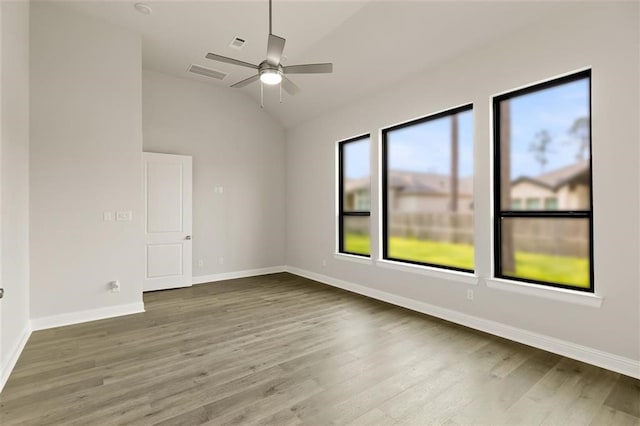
271 71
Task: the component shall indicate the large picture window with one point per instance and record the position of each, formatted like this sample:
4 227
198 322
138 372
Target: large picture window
543 202
354 201
427 176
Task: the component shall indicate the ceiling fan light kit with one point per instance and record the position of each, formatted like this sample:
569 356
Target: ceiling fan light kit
270 76
270 71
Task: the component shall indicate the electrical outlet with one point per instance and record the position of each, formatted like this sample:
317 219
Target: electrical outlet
200 263
470 294
221 260
114 286
324 262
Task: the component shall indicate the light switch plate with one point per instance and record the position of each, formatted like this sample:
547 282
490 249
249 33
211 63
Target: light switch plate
107 216
124 215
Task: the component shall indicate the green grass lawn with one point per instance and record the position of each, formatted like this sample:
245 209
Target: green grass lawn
556 269
357 243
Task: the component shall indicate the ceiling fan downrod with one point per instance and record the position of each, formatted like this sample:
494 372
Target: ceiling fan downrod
270 18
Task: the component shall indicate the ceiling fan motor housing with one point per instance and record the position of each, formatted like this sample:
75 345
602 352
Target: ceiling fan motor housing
264 66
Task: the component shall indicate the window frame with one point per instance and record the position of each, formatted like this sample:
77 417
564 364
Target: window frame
353 213
384 193
499 214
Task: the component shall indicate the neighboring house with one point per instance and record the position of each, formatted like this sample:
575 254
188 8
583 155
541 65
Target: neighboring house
420 206
356 194
566 188
412 192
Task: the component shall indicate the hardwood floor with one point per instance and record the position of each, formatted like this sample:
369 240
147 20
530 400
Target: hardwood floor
283 350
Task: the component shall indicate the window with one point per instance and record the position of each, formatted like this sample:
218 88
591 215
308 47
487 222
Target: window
533 203
354 207
427 178
363 201
543 148
551 203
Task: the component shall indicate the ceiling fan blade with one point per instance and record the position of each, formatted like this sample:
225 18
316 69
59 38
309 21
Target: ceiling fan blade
220 58
308 69
246 81
289 87
275 48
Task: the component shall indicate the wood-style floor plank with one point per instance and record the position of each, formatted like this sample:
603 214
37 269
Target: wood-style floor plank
287 351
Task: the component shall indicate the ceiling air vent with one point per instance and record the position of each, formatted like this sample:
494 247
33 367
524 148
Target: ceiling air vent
207 72
237 43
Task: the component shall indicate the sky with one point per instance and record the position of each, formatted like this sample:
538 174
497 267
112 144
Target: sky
426 147
555 111
416 148
355 156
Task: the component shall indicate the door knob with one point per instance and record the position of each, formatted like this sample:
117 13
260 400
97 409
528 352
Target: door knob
188 237
1 293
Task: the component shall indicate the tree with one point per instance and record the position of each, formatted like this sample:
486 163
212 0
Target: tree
453 191
453 204
507 247
540 147
581 128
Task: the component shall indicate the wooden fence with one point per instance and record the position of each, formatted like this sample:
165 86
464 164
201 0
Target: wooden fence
561 237
442 227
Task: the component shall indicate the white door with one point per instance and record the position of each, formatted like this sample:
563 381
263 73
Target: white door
167 190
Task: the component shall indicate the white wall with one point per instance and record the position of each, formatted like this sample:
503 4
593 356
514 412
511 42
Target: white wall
14 189
235 145
86 156
602 36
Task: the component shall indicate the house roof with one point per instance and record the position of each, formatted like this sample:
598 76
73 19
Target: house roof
351 185
439 184
428 183
417 183
572 174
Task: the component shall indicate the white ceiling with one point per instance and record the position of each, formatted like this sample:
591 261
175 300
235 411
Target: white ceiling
371 43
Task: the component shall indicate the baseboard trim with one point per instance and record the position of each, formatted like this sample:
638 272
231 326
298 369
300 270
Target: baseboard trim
203 279
53 321
619 364
14 355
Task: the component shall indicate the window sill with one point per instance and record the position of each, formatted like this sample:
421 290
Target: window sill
445 274
353 258
560 294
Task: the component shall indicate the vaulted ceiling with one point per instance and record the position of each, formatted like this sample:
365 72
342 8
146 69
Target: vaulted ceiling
371 43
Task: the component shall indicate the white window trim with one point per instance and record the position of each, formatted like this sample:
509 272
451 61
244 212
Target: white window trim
353 258
554 293
445 274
